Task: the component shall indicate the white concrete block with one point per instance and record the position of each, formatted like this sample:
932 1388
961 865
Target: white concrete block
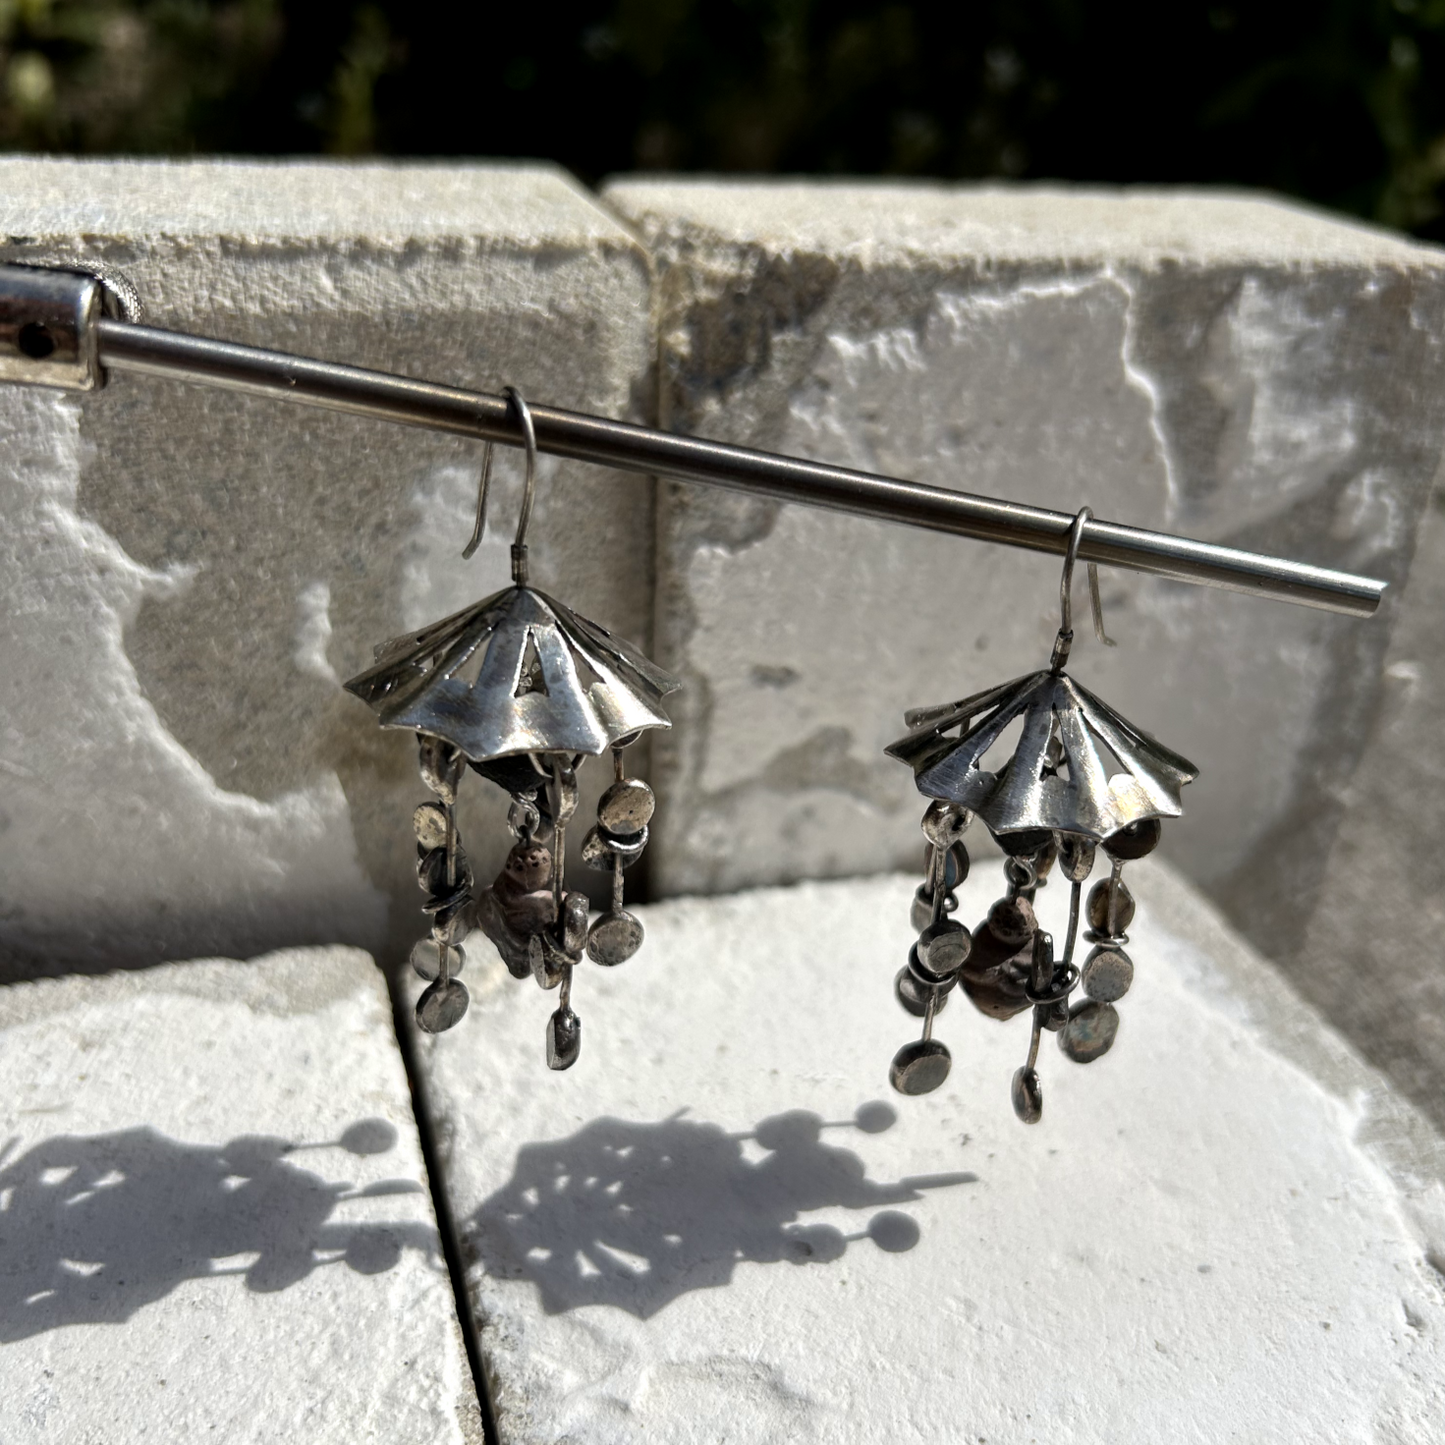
1370 958
214 1217
721 1226
1228 368
190 574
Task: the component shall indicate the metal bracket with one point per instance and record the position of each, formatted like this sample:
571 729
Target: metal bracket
47 328
48 310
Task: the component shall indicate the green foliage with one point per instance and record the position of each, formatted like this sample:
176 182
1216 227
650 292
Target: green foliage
1339 101
103 75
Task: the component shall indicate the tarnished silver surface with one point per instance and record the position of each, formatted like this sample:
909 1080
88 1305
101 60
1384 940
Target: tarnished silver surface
930 984
1111 907
453 923
924 976
995 974
1085 794
1107 974
564 1039
626 807
1058 987
601 848
523 889
1090 1031
1012 922
1028 1096
442 1005
529 489
516 673
429 823
1079 772
559 798
574 925
614 938
426 959
944 824
1064 642
445 874
920 913
914 996
523 818
1136 841
944 947
920 1067
442 766
47 331
1076 857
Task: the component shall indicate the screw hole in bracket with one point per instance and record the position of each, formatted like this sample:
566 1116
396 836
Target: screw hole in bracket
35 340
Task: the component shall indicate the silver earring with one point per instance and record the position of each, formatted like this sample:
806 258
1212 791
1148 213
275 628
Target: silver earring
521 689
1055 802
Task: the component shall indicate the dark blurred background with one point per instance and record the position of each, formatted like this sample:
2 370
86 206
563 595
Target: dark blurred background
1341 102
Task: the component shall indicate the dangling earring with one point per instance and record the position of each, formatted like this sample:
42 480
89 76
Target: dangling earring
1053 803
522 690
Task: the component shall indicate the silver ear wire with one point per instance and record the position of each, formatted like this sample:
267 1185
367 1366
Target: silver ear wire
1065 640
1097 606
529 490
482 488
529 487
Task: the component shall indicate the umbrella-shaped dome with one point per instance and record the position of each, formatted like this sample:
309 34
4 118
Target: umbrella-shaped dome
1059 776
516 673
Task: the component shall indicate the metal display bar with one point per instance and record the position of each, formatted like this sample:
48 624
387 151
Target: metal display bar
120 345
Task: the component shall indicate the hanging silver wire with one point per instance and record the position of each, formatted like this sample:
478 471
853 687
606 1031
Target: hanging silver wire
1096 604
529 489
483 487
1064 642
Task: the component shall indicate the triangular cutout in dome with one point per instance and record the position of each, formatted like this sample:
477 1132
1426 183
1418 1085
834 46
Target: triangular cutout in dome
516 673
1067 787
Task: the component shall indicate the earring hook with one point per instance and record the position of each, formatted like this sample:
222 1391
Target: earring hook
529 490
1065 640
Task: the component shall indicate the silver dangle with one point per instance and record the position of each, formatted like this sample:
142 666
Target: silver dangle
1080 779
944 945
520 689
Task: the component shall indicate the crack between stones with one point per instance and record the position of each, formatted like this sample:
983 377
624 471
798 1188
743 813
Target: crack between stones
441 1205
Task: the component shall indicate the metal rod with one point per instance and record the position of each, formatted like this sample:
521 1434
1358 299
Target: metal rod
125 346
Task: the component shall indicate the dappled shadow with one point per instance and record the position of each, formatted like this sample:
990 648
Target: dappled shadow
93 1227
634 1215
